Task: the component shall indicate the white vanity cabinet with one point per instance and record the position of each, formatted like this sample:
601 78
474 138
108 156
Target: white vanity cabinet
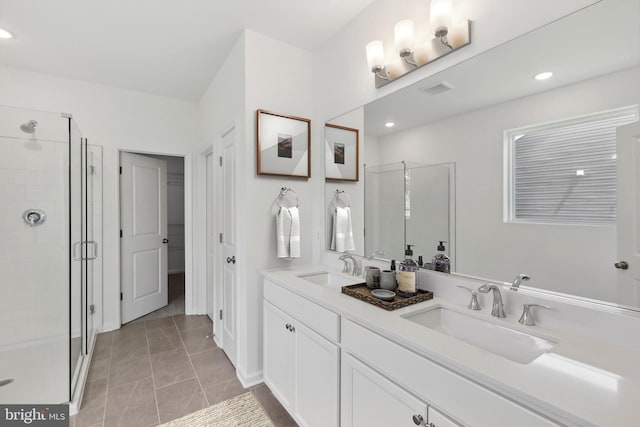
368 399
301 367
403 383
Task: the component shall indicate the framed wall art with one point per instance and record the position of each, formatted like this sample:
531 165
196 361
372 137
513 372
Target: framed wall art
342 153
284 145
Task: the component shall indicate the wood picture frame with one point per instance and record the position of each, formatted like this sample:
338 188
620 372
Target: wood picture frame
283 145
342 153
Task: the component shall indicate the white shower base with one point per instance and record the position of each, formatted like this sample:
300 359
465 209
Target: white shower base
40 372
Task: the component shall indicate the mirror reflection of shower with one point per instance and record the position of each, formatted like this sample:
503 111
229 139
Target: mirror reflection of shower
29 127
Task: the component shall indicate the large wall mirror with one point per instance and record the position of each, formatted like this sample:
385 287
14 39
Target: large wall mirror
538 182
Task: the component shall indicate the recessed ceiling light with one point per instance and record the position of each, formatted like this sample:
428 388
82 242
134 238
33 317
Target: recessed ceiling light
4 34
390 124
543 76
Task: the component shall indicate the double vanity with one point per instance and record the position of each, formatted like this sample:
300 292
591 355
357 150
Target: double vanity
334 360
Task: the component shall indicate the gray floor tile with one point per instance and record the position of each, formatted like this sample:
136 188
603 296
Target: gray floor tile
130 370
212 367
179 399
223 391
132 404
184 322
198 339
163 339
171 366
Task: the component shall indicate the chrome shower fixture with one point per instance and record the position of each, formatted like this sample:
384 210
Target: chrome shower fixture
29 127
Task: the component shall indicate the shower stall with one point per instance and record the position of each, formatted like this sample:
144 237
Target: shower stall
50 256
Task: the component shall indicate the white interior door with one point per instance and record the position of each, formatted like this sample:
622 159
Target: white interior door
143 216
210 236
229 326
628 214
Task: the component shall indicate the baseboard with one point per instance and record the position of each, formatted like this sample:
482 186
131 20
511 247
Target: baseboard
106 327
249 381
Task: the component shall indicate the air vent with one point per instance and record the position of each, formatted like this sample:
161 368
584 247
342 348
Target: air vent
439 88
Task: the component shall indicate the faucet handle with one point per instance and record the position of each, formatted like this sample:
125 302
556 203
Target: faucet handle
527 318
473 304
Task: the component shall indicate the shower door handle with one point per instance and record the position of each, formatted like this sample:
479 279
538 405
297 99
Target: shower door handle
78 245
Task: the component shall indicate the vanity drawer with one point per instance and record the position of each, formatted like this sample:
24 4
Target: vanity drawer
464 400
314 316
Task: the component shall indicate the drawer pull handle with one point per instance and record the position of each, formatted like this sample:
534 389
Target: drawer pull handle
287 327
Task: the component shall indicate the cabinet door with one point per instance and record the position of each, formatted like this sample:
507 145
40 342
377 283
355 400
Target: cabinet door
370 400
438 419
316 379
278 354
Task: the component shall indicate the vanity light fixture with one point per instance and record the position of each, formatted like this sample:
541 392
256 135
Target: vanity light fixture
4 34
412 54
543 76
390 124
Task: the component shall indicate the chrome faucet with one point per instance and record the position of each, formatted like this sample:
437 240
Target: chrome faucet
519 279
497 309
353 268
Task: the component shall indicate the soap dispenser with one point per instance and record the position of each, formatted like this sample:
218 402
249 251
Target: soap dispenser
407 275
441 261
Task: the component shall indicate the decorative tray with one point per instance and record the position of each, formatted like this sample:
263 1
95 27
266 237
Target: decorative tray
363 293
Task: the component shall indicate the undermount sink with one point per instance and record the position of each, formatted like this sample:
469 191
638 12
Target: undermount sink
330 279
512 344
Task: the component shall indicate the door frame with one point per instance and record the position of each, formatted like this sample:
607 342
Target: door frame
200 216
191 292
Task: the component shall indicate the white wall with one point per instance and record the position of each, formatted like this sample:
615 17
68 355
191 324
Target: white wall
576 260
278 79
115 119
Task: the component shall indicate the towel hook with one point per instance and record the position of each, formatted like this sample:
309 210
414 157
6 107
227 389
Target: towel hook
341 196
283 193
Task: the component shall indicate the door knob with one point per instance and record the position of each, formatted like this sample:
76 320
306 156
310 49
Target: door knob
231 260
622 265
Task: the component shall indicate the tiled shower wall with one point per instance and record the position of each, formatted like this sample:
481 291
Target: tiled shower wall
34 296
34 284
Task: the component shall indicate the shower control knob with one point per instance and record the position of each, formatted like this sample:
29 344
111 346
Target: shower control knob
622 265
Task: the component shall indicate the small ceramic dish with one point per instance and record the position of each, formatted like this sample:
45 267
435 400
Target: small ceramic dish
383 294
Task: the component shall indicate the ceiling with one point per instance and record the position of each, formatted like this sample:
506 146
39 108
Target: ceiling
165 47
573 48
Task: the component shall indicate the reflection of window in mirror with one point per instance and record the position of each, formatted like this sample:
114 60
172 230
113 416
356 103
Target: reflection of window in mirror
555 169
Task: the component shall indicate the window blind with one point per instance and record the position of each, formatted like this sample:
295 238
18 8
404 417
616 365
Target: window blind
566 174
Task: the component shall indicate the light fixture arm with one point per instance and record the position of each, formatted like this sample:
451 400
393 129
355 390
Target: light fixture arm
378 71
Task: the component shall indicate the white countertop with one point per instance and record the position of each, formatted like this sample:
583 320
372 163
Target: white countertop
583 381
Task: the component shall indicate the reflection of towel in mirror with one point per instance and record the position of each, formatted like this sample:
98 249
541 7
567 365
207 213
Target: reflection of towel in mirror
288 233
342 232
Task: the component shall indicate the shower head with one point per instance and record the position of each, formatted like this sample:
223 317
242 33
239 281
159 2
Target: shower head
29 127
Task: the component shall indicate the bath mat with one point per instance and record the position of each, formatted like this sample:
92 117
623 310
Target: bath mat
240 411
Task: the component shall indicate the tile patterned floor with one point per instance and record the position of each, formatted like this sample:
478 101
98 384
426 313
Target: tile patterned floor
154 371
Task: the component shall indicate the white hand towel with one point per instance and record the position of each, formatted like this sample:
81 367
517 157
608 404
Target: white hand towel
349 244
334 219
294 238
342 234
283 230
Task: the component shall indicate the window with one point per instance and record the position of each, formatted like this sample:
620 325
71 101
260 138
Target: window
565 172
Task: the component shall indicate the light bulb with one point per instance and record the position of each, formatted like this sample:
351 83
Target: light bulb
441 13
404 37
375 55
